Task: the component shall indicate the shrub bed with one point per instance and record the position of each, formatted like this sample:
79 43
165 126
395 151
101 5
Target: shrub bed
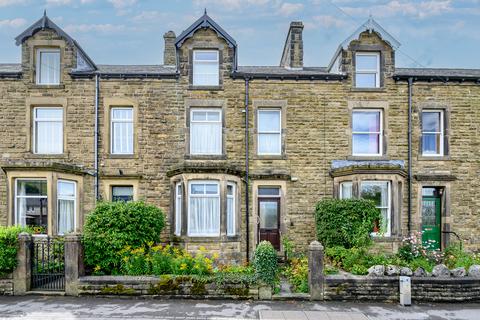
9 248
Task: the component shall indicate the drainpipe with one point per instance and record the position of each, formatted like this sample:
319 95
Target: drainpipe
247 184
97 89
410 84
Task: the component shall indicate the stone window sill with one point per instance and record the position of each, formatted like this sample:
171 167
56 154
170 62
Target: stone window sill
223 238
206 157
46 86
270 157
434 158
122 156
366 158
381 89
387 239
209 88
46 156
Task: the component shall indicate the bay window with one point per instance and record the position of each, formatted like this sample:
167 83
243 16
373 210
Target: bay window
31 201
346 190
178 208
379 193
47 130
121 128
269 132
367 132
206 132
367 69
205 68
432 133
48 66
230 209
204 209
66 206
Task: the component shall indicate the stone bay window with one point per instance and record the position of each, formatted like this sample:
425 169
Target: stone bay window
205 206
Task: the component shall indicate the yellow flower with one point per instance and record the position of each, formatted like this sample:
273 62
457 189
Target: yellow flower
202 249
207 261
215 256
183 266
97 268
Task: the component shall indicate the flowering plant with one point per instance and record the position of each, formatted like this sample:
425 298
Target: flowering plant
414 248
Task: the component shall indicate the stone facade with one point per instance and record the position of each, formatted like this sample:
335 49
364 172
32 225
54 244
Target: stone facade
316 106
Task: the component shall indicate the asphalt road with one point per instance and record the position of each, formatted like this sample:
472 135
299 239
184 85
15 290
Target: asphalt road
87 308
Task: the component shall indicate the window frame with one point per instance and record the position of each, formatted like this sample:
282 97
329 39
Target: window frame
219 122
380 133
178 208
388 232
216 62
34 134
442 133
38 68
340 189
205 195
112 186
233 218
16 197
113 121
74 198
376 72
260 133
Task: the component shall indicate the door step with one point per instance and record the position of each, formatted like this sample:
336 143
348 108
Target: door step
45 293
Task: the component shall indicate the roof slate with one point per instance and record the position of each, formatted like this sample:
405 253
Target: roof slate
135 69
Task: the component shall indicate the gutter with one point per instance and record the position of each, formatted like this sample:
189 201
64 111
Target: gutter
293 76
437 78
97 90
247 181
409 169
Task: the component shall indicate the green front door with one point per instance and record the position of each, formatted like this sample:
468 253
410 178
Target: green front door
431 222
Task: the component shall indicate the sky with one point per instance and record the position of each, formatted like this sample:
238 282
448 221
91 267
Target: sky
433 33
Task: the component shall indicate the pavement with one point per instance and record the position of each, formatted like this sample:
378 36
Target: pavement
88 308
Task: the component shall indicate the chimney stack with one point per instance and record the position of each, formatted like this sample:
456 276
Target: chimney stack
169 53
292 56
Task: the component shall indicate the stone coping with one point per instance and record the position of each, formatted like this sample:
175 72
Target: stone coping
345 277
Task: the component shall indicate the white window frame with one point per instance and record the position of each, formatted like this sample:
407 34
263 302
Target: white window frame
218 122
178 208
388 207
74 198
113 121
190 195
259 133
380 133
234 209
17 196
38 68
376 71
206 62
441 132
340 189
36 120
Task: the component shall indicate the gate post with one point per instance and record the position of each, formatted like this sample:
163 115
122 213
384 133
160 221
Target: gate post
22 273
315 270
73 263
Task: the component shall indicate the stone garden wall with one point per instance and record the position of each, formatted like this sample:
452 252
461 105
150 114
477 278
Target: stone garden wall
166 286
386 289
6 285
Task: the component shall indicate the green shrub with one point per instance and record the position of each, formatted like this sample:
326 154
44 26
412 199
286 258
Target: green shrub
9 247
265 262
346 222
359 269
455 256
112 226
297 274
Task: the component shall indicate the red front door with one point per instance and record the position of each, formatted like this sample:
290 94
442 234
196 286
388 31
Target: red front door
269 226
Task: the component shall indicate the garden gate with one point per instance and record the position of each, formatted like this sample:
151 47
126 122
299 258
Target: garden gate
48 264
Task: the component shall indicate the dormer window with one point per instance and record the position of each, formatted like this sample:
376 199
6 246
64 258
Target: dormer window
205 68
48 66
367 70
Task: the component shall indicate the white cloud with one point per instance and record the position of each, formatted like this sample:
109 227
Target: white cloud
13 23
4 3
102 28
150 16
288 9
122 4
235 5
58 2
419 9
325 22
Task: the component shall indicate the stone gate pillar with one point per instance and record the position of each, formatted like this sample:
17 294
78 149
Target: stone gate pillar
73 263
22 273
315 270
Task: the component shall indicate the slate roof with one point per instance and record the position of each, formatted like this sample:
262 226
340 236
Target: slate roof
135 69
435 73
10 68
276 72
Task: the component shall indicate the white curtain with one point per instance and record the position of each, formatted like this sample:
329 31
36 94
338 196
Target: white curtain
178 210
385 223
49 137
49 67
204 216
269 143
206 138
66 216
230 216
21 205
269 131
346 190
205 73
122 137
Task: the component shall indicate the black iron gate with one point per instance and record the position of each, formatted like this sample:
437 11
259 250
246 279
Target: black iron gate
48 264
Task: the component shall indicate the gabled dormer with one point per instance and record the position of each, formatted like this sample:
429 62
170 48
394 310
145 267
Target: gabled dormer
49 54
207 54
367 56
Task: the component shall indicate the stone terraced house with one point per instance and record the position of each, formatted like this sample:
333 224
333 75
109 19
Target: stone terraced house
185 136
